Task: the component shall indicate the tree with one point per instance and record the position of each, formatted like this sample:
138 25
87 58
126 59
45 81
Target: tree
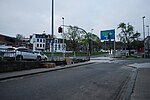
136 44
91 41
75 35
95 42
126 35
19 39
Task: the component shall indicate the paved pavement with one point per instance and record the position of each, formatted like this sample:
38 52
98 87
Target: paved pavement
142 85
16 74
141 90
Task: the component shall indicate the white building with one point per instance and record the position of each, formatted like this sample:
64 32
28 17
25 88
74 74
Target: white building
43 42
58 45
38 41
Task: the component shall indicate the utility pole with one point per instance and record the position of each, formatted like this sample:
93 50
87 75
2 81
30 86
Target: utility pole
147 29
91 42
148 41
144 34
52 43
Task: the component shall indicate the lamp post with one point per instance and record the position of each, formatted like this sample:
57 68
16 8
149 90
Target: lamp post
144 34
125 46
91 43
147 29
52 43
148 41
63 39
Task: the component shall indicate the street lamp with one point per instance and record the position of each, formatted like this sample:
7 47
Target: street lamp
144 34
92 30
148 40
52 43
90 44
147 29
63 39
143 28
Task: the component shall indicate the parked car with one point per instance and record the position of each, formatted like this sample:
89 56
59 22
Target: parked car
26 54
42 55
9 53
5 50
22 54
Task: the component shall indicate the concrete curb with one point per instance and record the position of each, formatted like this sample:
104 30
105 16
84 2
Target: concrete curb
6 76
126 89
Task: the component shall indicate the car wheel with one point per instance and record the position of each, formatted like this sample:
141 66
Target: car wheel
19 58
45 59
38 58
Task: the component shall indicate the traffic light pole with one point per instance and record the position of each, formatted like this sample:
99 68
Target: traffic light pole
63 39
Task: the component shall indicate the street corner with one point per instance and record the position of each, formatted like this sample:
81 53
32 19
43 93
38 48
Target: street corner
140 65
102 59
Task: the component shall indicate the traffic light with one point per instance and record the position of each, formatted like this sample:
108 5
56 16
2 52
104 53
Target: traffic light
59 30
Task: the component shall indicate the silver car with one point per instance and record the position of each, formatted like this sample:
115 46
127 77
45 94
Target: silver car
21 54
42 55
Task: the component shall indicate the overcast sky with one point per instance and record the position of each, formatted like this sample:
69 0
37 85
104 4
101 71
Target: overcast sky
34 16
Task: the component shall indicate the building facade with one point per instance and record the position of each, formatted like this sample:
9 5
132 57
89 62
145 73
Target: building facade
42 42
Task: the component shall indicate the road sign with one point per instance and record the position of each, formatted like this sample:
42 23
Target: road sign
107 34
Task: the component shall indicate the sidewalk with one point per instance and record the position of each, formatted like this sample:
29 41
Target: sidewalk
142 85
16 74
141 89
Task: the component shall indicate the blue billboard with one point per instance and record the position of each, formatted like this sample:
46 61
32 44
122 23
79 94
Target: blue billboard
107 34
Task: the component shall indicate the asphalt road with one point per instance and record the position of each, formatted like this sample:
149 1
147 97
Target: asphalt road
99 81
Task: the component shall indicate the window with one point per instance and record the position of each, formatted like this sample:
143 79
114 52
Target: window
40 40
37 45
59 47
37 40
55 47
43 45
44 40
55 41
40 45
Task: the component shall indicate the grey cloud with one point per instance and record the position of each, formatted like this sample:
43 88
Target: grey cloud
29 16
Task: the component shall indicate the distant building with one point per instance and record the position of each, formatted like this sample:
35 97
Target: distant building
7 40
58 45
42 42
38 41
147 47
15 42
106 45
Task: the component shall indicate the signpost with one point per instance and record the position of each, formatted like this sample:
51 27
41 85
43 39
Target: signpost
108 35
